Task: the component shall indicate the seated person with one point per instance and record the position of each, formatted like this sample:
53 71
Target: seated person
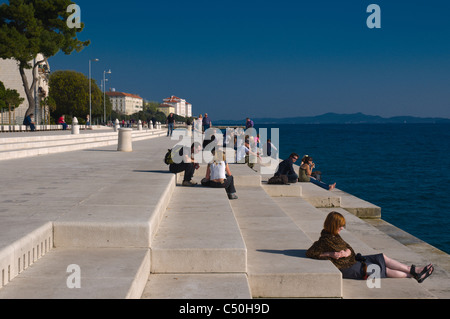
28 121
305 172
186 163
331 246
62 122
286 167
218 175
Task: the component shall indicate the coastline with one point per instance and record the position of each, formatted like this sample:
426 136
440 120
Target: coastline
95 223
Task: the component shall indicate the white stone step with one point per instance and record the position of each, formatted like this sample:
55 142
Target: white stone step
320 197
358 206
197 286
275 190
364 239
198 234
276 247
22 242
117 216
103 274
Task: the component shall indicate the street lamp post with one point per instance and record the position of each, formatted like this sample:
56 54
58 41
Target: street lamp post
90 92
104 95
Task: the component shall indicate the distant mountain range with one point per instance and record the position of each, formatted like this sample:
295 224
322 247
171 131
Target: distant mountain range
334 118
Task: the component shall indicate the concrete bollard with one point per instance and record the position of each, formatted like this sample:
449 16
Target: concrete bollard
150 125
125 140
140 125
116 125
75 126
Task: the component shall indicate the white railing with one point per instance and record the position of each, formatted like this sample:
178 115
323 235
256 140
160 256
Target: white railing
22 128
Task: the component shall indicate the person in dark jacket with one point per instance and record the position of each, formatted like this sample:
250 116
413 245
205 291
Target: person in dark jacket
184 161
286 167
170 124
28 121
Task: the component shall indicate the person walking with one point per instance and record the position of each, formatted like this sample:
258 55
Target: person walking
249 123
170 123
206 122
198 123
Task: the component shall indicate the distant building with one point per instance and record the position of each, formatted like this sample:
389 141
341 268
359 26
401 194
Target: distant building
10 76
166 109
181 107
126 103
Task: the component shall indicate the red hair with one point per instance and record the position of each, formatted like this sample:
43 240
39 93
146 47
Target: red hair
334 222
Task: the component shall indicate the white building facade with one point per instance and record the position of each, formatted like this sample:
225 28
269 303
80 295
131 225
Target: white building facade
181 107
10 76
126 103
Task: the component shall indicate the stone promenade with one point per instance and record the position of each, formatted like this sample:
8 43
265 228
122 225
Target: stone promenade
90 222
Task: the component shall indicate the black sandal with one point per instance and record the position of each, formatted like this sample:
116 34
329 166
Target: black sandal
413 273
426 271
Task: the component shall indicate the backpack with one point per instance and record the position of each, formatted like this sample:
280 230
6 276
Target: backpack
168 157
281 179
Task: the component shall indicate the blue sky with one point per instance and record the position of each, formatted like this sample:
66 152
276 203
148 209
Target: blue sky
234 59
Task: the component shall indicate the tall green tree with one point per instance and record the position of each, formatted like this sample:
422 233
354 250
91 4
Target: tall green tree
13 100
70 92
31 27
9 98
151 106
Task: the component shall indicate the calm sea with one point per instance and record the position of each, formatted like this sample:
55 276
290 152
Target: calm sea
403 168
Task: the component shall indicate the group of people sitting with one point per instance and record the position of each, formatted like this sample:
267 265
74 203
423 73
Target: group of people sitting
330 245
305 174
29 121
218 173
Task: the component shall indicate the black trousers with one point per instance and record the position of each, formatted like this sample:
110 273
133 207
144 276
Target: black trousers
188 169
228 184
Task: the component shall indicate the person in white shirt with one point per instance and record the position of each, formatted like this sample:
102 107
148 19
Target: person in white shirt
243 152
218 175
198 124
